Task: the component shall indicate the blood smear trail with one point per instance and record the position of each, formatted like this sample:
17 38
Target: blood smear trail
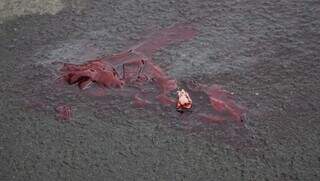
222 101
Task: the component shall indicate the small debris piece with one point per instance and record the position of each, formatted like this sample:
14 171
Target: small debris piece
184 101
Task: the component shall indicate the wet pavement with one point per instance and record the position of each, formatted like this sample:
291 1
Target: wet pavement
265 54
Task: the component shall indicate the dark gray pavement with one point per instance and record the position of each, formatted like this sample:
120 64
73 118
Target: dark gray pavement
265 52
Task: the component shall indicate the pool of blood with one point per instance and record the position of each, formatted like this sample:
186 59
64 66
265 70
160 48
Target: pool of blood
134 67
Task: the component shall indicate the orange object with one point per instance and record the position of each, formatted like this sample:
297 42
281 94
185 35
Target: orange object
184 100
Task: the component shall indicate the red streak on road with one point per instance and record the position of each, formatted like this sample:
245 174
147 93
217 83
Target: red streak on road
223 101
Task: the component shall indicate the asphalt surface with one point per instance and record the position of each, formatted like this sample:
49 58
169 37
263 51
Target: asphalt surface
266 53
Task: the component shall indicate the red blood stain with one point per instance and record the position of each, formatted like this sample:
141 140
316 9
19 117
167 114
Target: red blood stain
64 112
223 102
140 102
96 71
135 67
165 100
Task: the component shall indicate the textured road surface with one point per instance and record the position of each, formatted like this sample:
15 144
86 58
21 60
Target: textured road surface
266 53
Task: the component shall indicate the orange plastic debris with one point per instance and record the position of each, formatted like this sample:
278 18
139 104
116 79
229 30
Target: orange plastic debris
184 101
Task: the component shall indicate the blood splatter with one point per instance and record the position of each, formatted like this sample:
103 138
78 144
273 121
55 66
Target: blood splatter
96 71
222 101
64 112
134 67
